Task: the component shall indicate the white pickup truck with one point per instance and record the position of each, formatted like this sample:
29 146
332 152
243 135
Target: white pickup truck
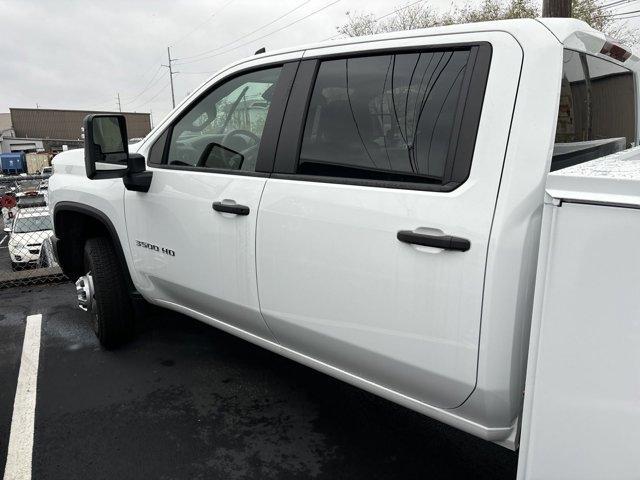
375 208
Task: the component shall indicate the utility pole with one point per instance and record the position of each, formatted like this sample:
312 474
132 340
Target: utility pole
171 74
119 104
556 8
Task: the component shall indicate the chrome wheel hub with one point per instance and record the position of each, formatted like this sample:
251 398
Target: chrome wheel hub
84 290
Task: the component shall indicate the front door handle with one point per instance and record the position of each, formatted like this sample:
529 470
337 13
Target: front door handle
231 208
446 242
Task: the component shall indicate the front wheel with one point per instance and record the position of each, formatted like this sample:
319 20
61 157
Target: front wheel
102 292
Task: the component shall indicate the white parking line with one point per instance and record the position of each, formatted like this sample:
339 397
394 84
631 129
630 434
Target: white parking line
3 239
20 449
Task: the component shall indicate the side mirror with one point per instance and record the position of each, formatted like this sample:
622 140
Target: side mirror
106 152
106 148
7 230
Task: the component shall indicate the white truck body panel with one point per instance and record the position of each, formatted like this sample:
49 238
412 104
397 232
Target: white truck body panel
581 417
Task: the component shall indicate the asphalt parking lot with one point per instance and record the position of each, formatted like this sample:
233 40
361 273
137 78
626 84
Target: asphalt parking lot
186 401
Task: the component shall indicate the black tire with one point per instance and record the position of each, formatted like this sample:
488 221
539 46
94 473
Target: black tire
112 315
14 266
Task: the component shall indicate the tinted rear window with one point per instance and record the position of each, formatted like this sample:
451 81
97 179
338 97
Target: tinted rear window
385 117
597 112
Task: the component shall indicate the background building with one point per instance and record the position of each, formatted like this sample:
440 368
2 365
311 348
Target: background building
47 130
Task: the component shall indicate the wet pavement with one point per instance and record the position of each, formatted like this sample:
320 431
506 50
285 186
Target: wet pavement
185 400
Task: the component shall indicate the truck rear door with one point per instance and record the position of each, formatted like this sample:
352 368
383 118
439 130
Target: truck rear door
373 230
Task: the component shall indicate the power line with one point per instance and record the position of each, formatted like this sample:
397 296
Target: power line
153 96
214 14
164 88
264 36
617 14
615 4
611 5
155 78
103 101
150 84
248 34
150 69
385 16
624 13
627 18
398 10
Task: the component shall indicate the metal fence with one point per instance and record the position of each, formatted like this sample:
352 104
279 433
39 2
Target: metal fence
26 253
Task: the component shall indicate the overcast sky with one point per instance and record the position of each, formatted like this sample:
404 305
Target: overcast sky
81 54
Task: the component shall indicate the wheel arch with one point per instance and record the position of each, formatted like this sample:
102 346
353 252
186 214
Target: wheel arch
73 224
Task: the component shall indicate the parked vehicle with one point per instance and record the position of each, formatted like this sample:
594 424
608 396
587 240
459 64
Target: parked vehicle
382 224
29 229
47 171
13 163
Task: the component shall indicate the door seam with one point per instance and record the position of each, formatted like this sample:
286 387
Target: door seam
255 260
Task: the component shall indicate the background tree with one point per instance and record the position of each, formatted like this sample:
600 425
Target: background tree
419 15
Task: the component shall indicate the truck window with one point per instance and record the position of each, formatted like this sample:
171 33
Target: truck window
157 150
223 130
597 111
384 117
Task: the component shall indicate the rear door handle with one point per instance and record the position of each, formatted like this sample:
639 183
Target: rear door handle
446 242
231 208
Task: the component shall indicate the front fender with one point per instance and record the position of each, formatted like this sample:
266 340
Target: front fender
102 200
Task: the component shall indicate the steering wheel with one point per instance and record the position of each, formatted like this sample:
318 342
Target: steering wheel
234 133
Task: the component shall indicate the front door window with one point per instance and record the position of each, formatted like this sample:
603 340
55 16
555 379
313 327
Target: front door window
223 130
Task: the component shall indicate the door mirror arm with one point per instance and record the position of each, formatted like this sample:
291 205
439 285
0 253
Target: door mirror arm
137 178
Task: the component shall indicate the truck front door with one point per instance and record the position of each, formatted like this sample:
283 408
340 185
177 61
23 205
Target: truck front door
192 235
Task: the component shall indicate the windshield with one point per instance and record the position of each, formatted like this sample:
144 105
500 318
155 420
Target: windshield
32 224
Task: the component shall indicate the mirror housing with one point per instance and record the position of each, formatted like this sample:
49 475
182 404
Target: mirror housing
106 148
106 152
7 230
